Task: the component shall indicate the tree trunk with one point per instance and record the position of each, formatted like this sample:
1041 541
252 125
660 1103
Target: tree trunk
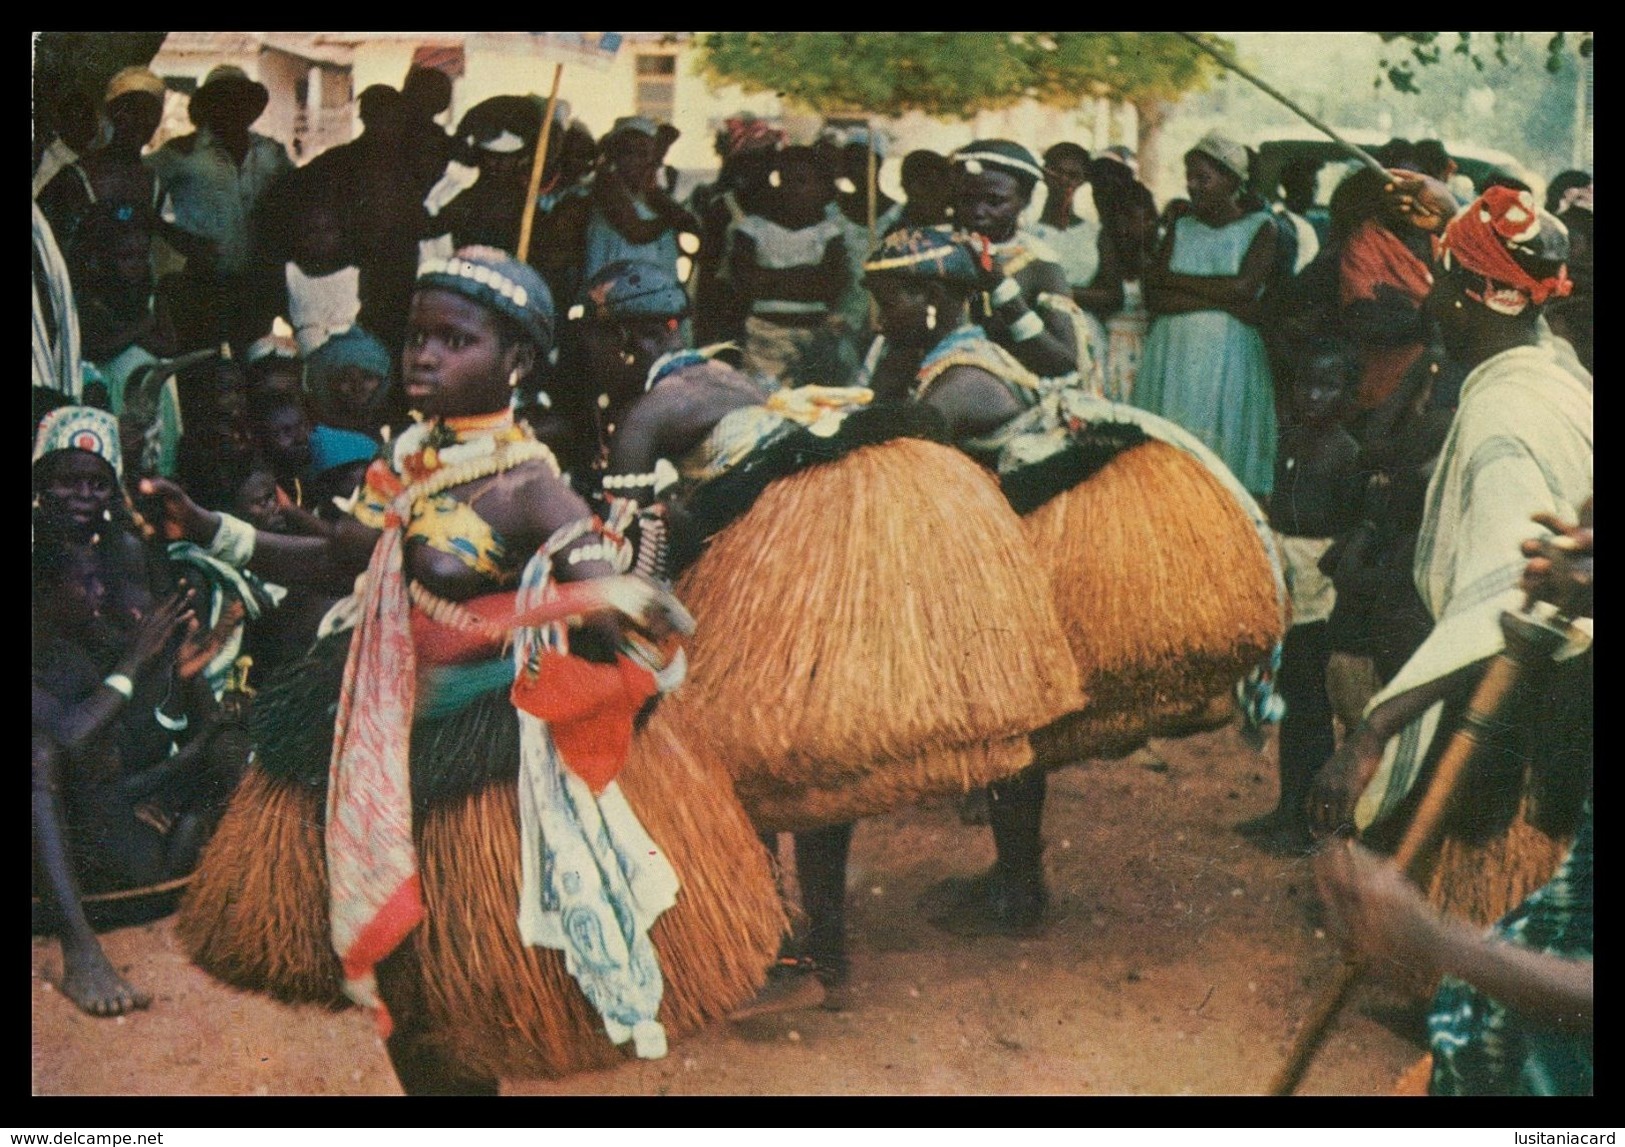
1152 113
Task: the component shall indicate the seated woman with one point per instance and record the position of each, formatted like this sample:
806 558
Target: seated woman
354 403
1153 641
456 776
812 496
117 686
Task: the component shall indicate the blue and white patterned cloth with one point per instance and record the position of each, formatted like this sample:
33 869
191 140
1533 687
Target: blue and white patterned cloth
1482 1047
592 881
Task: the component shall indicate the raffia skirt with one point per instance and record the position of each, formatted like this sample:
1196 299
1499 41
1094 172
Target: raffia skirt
1166 595
872 630
256 915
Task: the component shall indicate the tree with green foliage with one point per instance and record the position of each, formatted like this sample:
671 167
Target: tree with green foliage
955 74
1428 48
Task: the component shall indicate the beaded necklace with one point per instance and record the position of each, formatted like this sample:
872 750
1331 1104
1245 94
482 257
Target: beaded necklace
952 342
456 451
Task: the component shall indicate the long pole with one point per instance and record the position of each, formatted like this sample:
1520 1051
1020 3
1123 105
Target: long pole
536 165
874 239
1355 150
1527 641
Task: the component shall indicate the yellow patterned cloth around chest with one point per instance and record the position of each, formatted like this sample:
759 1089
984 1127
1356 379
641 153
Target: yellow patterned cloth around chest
443 523
739 432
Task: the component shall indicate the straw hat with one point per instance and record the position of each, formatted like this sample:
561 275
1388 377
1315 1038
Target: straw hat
137 79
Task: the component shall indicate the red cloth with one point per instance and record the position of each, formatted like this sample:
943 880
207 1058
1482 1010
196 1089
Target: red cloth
589 709
1374 256
439 644
1478 239
372 868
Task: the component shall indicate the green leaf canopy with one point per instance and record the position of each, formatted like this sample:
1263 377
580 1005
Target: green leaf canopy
954 74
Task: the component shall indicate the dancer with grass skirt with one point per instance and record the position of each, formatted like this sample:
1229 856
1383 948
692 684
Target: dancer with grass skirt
454 848
867 628
1161 565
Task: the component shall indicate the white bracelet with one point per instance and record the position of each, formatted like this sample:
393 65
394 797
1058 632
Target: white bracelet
120 684
233 541
628 481
1028 326
1005 291
173 724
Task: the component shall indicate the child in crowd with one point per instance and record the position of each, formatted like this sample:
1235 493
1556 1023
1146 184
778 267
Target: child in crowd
323 278
1318 483
790 263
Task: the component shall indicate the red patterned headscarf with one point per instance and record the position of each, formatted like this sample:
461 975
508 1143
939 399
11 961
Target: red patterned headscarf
1489 238
743 133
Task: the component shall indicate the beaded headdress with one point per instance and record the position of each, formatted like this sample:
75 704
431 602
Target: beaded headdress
81 428
929 253
497 280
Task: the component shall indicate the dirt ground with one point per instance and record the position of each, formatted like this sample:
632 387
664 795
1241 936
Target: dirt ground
1180 962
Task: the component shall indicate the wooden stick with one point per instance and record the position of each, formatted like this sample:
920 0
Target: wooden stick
536 165
1527 641
1355 150
874 239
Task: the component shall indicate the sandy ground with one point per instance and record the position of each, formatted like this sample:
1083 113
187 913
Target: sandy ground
1180 961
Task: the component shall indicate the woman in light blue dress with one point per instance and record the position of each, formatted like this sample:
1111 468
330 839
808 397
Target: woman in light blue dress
1204 365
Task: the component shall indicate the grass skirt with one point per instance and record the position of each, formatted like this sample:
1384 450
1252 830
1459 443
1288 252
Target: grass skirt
257 913
1165 593
872 630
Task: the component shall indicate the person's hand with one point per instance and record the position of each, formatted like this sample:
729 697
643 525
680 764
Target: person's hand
182 517
1559 568
1426 202
650 608
1375 910
200 648
155 628
1342 779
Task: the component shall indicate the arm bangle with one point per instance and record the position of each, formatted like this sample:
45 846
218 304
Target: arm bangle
120 684
1005 291
173 724
1028 326
233 541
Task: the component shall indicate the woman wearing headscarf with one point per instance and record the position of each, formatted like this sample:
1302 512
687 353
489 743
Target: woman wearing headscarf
117 689
485 877
1205 366
746 146
1131 522
111 173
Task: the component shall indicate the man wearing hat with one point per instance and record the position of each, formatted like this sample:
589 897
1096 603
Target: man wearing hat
1520 446
1026 306
213 182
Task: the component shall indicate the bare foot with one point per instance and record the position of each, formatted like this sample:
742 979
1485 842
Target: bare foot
90 981
789 988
